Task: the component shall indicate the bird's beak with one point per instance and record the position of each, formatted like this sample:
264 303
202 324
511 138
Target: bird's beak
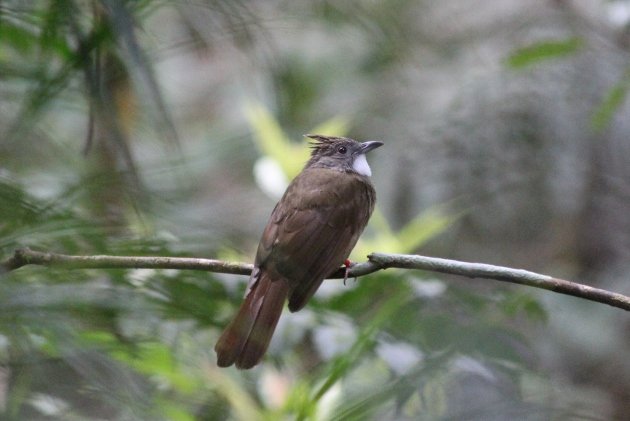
368 146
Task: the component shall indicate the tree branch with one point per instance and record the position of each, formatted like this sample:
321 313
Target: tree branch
377 261
26 256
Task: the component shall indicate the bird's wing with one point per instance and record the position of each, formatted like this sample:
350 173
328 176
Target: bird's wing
313 229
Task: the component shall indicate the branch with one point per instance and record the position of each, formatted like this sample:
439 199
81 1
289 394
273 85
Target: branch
26 256
377 261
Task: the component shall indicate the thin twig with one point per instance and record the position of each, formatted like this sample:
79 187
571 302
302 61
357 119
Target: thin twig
501 273
377 261
26 256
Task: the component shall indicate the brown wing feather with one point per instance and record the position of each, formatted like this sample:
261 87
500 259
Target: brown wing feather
313 229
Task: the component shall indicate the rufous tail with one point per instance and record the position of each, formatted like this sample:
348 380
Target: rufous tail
245 340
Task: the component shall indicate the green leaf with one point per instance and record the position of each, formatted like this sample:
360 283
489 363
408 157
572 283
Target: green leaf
273 142
605 112
174 411
524 303
543 50
408 239
422 228
16 37
157 360
336 126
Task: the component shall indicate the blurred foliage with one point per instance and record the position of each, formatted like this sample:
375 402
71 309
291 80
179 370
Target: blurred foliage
613 100
112 338
544 50
114 344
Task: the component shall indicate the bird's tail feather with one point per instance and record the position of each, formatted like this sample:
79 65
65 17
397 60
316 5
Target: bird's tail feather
247 337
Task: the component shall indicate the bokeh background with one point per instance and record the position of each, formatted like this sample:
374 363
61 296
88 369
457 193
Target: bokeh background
161 127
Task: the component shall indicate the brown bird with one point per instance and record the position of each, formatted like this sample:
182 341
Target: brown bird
310 234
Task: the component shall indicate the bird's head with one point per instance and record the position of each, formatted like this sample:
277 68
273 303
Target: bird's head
341 153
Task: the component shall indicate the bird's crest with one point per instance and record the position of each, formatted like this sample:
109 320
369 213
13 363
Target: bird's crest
321 142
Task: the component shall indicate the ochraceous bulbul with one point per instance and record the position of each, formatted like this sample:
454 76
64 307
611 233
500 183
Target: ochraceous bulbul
310 234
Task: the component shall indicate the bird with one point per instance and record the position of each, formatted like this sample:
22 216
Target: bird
309 235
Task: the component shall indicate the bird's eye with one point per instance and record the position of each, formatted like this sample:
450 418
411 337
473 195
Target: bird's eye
342 150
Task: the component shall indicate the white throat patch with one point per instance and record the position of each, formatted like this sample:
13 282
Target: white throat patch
361 166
